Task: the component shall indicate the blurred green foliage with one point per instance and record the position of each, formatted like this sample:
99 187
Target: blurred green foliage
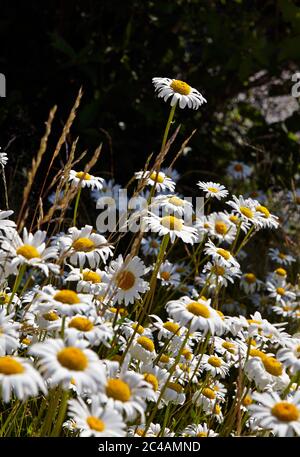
113 48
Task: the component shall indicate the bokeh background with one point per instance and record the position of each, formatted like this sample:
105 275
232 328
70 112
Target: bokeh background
240 54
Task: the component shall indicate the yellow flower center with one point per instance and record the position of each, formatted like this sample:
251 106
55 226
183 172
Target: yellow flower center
10 366
246 212
247 400
26 341
146 343
154 244
28 251
215 361
233 218
165 275
224 253
4 298
257 353
282 255
217 409
152 379
209 393
198 309
285 411
229 346
125 280
176 201
83 245
73 358
272 366
83 324
202 435
281 272
221 227
118 390
250 278
95 424
175 386
139 328
173 327
171 223
157 177
280 290
263 210
180 87
67 296
83 175
214 190
140 432
217 269
164 358
187 354
91 276
51 316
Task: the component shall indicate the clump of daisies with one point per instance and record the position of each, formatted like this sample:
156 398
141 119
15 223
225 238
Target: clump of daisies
175 332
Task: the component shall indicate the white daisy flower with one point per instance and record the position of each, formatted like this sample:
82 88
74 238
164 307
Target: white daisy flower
168 275
265 218
239 170
216 274
3 158
171 173
63 364
108 189
142 348
81 245
173 226
66 301
178 91
91 328
31 251
127 282
290 357
199 431
173 393
220 255
126 389
85 180
245 208
150 246
199 315
94 420
159 180
250 283
5 224
172 204
280 294
9 333
207 398
215 365
221 228
266 371
213 189
156 377
280 257
89 281
282 417
18 377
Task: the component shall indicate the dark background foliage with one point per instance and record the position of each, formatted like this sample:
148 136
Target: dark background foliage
113 48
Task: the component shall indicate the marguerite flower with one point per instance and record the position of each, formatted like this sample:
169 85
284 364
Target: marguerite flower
213 189
282 417
239 170
94 420
171 225
220 255
199 431
85 180
159 180
18 377
178 91
281 257
3 158
6 224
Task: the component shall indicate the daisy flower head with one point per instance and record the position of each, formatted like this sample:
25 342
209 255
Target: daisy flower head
95 420
172 204
178 91
245 209
89 281
265 218
290 356
239 170
213 189
173 393
220 255
266 371
3 158
281 257
90 328
142 348
158 179
84 245
108 189
18 377
199 431
65 301
221 227
6 224
9 333
168 275
31 251
282 295
173 174
282 417
62 364
84 179
250 283
126 278
215 365
217 274
172 225
150 246
198 315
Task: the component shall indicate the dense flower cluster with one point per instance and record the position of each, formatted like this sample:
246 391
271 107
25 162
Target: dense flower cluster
177 336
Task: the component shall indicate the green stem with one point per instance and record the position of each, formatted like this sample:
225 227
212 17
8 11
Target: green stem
16 285
76 206
166 133
61 414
